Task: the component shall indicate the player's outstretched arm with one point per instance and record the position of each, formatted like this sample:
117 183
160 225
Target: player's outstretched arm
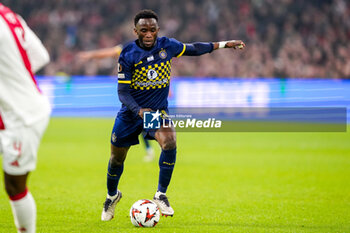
200 48
235 44
100 53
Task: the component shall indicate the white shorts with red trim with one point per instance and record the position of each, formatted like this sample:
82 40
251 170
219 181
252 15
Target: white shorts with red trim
19 147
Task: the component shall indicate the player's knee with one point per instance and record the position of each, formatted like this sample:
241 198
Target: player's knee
12 188
169 144
118 155
116 160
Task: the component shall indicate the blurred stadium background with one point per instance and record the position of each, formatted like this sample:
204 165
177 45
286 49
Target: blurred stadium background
297 55
297 51
286 39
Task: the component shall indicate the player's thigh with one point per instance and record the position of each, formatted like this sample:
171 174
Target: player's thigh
125 133
20 147
15 184
166 137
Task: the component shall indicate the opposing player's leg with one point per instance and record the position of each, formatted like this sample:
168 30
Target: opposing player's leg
19 147
124 134
115 170
22 202
166 138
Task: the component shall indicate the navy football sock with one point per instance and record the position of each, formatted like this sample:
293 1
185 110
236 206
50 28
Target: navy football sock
166 166
113 176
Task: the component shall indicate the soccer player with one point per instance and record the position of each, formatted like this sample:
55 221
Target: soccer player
115 52
24 112
143 85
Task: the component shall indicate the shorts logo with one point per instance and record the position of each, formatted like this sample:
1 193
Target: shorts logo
163 54
15 163
151 120
17 146
152 74
114 138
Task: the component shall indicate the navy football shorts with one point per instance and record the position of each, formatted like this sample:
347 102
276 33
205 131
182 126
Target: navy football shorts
126 132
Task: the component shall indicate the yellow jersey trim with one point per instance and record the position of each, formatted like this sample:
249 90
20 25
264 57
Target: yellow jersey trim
183 50
126 82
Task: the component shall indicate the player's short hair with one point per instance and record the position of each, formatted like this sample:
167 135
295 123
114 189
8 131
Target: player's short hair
145 14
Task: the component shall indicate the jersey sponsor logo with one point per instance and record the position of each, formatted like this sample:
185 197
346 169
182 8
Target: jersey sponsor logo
159 83
152 74
163 54
121 76
145 77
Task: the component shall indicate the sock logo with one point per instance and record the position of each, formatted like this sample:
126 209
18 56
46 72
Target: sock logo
170 164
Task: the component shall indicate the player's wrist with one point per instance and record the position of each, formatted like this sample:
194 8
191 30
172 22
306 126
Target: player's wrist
222 44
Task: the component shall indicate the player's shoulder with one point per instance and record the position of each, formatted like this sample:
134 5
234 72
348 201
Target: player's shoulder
129 46
166 40
128 51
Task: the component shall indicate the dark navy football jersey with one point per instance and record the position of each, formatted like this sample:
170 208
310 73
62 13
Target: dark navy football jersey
148 72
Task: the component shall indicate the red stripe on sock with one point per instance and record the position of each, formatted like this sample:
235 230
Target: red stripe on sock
19 196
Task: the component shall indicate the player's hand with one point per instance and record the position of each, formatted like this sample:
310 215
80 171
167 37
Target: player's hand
142 110
235 44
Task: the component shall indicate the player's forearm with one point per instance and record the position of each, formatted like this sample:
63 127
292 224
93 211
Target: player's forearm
198 48
126 98
107 52
235 44
101 53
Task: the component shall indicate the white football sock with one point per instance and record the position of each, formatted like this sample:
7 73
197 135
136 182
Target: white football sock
112 197
158 193
24 213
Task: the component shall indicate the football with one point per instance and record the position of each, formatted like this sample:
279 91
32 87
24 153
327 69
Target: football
144 213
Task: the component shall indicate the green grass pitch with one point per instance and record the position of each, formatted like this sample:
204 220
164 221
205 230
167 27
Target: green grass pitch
223 182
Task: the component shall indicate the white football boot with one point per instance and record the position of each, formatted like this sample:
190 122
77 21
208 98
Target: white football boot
163 204
109 206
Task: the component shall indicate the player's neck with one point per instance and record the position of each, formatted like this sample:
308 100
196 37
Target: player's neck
143 46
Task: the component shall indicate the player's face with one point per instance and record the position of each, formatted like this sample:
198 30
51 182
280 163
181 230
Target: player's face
147 31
